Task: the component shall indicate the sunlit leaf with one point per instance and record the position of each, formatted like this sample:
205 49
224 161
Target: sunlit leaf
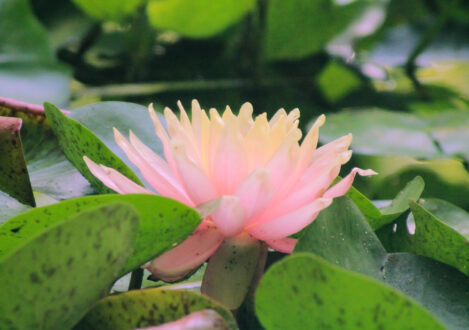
298 28
197 18
163 223
47 282
114 10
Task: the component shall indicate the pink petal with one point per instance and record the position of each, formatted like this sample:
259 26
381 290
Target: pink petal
188 255
114 180
344 185
255 192
229 216
159 165
161 133
312 185
290 223
152 175
230 165
196 182
284 245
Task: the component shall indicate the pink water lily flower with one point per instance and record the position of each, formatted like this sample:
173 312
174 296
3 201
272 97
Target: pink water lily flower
268 184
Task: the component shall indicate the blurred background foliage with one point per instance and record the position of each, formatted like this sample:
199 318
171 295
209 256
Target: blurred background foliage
401 68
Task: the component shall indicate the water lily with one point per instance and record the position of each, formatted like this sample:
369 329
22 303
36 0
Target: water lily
267 185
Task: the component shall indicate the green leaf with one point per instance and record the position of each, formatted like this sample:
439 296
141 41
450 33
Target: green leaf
77 141
366 206
387 133
21 33
100 118
442 240
440 288
14 179
163 223
400 204
380 217
197 18
55 276
144 308
444 178
380 132
321 295
114 10
341 236
28 70
298 28
336 81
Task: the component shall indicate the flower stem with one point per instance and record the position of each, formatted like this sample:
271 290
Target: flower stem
136 279
231 270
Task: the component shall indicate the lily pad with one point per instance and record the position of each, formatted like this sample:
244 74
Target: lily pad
163 223
298 28
380 217
197 18
445 240
321 295
342 236
47 282
150 307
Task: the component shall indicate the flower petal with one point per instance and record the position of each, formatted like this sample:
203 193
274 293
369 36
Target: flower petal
190 254
255 192
229 216
344 185
197 184
115 180
284 245
290 223
230 165
152 175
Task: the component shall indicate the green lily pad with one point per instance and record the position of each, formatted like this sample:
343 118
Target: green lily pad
298 28
380 132
444 178
387 133
114 10
304 291
14 179
150 307
52 278
445 240
77 141
197 18
342 236
163 224
380 217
